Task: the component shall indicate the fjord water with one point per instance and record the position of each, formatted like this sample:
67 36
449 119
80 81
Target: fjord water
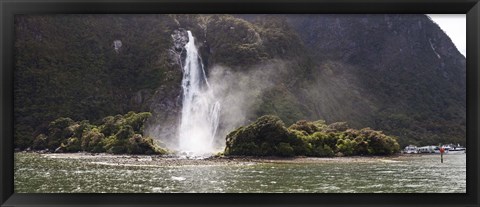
200 110
404 174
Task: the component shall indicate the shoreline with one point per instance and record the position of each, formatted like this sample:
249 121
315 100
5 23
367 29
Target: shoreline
175 161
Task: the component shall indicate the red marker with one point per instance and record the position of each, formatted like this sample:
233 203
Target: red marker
442 150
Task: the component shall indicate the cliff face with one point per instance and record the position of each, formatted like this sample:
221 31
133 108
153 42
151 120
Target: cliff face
406 76
397 73
67 65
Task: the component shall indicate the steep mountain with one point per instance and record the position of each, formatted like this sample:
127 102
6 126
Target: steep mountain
396 73
406 76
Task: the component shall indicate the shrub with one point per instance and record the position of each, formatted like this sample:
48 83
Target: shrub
23 137
301 146
111 125
337 127
346 146
109 142
322 138
81 128
270 128
92 141
245 148
143 145
136 121
285 150
72 145
117 150
265 132
58 132
40 142
320 124
304 126
266 149
123 135
379 143
323 151
61 123
268 136
361 148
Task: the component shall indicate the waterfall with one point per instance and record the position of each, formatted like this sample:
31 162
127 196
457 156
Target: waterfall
200 109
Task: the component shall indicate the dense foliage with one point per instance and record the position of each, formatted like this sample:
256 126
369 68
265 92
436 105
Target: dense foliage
370 70
268 136
118 134
66 65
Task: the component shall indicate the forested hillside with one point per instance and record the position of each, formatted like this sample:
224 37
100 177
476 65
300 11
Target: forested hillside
397 73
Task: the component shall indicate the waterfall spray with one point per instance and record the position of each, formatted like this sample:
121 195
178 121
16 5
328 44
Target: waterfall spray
200 109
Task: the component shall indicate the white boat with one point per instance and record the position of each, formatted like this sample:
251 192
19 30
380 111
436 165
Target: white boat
449 149
429 149
410 149
454 149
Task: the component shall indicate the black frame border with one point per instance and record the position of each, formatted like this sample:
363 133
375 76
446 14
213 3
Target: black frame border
8 8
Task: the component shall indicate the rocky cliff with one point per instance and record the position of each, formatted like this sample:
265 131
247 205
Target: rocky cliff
396 73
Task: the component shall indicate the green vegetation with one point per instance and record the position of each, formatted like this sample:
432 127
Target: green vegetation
230 35
118 134
65 65
268 136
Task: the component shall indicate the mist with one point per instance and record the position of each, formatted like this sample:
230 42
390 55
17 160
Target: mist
239 93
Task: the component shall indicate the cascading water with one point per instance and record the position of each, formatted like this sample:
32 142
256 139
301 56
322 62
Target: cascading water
200 110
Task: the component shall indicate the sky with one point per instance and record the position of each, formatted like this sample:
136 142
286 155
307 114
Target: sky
455 25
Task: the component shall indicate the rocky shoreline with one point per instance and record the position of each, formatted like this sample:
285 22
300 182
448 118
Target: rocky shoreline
172 161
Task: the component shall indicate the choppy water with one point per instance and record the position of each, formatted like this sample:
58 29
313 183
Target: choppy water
411 174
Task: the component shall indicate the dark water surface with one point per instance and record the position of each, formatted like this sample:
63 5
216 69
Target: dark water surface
404 174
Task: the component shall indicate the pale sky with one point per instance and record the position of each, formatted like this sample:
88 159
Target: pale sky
455 25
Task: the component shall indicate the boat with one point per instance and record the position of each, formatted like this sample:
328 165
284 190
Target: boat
454 149
410 149
429 149
449 149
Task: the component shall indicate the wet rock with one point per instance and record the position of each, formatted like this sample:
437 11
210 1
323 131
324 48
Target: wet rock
180 39
117 44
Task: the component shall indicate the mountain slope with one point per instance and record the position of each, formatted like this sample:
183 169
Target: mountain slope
396 73
406 68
